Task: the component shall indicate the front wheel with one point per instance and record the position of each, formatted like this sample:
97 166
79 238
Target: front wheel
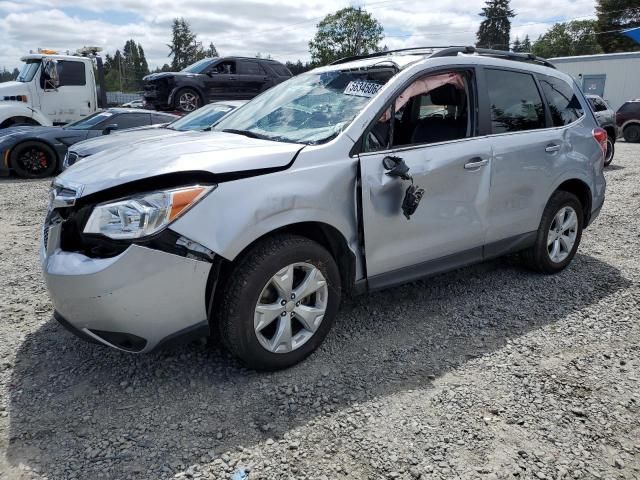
611 150
558 235
33 160
280 302
187 100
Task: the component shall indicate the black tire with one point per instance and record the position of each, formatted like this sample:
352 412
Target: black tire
33 159
537 257
611 150
632 133
246 283
180 99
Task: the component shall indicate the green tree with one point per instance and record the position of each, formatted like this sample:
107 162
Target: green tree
212 51
495 29
613 16
350 31
517 45
184 47
568 39
298 67
526 45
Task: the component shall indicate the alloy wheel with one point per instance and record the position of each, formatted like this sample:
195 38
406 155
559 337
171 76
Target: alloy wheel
34 160
562 234
291 307
188 102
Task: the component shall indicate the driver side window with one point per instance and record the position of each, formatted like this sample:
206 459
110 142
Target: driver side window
432 109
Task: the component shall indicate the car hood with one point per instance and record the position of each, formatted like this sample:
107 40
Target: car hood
32 131
213 152
157 76
13 88
116 139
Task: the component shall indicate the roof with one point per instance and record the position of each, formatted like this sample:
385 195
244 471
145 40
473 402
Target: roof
40 56
597 57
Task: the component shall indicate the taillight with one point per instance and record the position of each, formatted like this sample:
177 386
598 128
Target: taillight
600 135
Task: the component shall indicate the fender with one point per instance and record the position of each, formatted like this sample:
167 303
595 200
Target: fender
10 110
629 122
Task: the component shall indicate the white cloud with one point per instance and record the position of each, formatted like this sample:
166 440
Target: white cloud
245 27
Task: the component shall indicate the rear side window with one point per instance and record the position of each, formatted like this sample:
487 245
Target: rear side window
630 107
597 104
71 73
250 68
515 102
563 103
280 70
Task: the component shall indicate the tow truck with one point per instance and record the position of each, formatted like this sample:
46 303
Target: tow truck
54 88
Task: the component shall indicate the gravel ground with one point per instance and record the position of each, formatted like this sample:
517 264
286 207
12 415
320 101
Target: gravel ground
484 373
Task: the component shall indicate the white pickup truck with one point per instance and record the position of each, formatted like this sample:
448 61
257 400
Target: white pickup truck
53 89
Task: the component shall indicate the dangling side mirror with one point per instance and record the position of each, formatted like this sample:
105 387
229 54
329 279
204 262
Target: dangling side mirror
396 167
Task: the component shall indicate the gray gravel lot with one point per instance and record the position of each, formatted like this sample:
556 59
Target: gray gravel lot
487 372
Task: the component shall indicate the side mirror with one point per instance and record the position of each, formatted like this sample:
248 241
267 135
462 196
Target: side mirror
396 167
51 80
109 128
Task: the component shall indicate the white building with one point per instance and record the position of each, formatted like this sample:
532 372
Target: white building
613 76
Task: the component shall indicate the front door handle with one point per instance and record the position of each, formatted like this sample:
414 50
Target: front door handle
552 148
476 162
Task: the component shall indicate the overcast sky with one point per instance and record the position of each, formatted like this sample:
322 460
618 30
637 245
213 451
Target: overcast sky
280 28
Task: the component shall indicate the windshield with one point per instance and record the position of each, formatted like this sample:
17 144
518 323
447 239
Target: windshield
200 66
201 119
28 70
88 122
310 108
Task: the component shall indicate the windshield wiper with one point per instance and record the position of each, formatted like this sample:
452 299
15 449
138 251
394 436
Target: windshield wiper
246 133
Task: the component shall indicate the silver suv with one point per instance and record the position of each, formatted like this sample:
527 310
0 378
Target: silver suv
367 173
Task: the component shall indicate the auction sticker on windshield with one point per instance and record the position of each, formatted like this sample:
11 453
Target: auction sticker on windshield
362 89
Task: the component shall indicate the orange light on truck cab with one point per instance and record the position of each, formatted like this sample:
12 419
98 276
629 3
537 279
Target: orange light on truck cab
182 199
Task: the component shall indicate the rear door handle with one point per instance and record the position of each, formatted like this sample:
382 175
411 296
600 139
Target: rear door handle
552 148
476 162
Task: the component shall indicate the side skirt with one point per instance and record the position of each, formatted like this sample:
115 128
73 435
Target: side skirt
451 262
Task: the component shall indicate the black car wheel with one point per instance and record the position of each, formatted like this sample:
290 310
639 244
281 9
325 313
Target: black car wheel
611 150
33 160
632 133
187 100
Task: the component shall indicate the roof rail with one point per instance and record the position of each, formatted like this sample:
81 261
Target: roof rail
451 51
487 52
388 52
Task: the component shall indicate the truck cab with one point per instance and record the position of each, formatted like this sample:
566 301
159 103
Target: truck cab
51 89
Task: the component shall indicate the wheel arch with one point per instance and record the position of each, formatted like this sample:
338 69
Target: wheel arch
581 190
18 120
326 235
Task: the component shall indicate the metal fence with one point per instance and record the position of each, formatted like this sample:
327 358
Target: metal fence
118 98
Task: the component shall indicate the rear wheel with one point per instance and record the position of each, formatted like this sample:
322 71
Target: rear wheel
558 235
608 158
33 160
187 100
632 133
280 302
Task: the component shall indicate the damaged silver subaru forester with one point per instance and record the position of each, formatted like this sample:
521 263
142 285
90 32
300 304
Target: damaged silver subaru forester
360 175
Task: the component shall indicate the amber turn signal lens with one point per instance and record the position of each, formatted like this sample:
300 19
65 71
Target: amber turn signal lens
182 199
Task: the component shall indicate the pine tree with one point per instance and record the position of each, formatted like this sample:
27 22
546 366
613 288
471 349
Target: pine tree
517 45
184 46
212 51
495 29
613 16
526 46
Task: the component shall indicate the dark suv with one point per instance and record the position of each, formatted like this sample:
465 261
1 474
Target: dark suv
606 117
628 119
212 79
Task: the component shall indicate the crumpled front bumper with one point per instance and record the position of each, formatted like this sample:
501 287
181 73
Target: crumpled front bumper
142 294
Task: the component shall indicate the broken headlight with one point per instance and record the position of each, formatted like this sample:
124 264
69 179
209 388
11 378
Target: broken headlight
143 215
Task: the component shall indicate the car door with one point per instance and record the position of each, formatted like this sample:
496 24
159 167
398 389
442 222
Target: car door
251 78
448 228
72 98
222 81
527 148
